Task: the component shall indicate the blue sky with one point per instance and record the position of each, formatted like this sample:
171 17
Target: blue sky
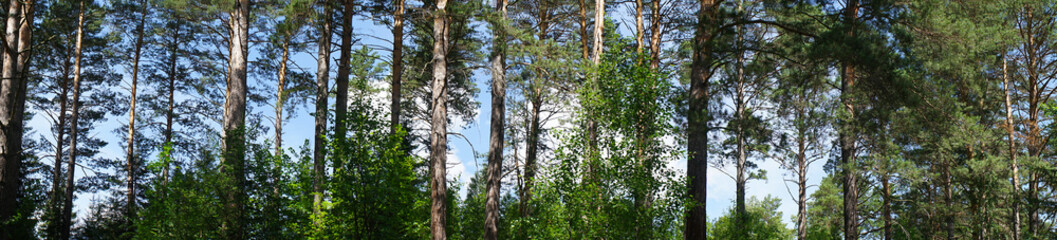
299 128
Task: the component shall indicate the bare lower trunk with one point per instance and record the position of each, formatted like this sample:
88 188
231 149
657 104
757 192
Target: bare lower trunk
585 48
398 65
322 81
235 124
697 121
495 142
341 101
439 122
886 206
596 58
131 194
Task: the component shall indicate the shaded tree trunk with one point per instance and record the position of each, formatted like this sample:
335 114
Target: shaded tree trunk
341 100
848 134
322 82
233 166
170 110
280 88
801 183
439 122
697 121
398 65
11 132
639 29
497 125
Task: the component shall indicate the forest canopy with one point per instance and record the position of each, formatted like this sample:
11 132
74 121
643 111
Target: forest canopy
586 119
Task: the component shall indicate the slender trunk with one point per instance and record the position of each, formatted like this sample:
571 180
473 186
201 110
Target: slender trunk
279 98
67 212
886 206
1012 149
497 125
169 112
848 135
342 80
10 161
655 35
739 113
398 65
57 191
639 29
697 121
585 49
439 122
131 198
232 166
801 172
322 81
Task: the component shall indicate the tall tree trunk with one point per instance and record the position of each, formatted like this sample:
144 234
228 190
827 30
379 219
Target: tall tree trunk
322 81
10 159
67 212
170 110
848 134
57 191
740 103
439 122
655 35
398 65
131 194
697 121
235 124
342 100
639 29
1012 149
596 58
497 125
281 87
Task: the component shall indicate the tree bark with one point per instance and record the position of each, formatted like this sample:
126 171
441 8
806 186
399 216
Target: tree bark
398 65
585 48
322 82
1012 149
10 159
639 29
342 80
67 212
131 194
697 121
57 191
439 123
281 87
497 125
235 124
848 134
655 35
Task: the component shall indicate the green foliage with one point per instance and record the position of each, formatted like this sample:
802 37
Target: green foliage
762 221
